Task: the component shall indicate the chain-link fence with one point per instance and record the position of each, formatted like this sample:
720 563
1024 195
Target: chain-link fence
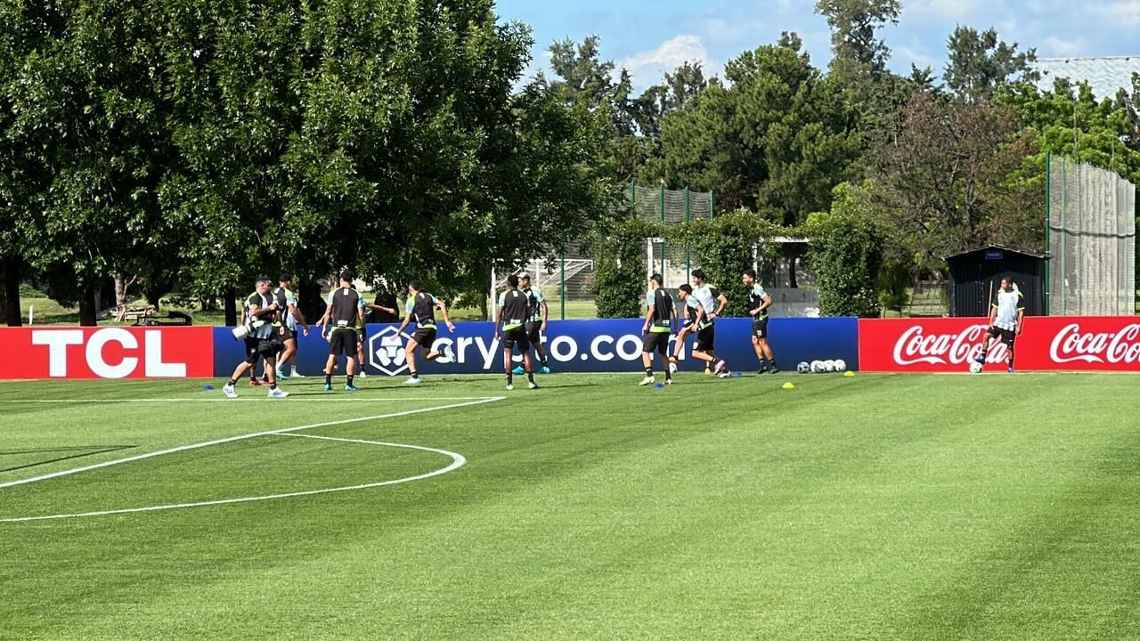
1091 235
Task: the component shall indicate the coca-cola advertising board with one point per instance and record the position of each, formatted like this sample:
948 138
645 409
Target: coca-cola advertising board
1046 343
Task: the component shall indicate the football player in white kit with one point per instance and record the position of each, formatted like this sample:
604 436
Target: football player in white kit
1007 315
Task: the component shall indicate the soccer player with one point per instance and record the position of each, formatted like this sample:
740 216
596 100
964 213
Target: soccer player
421 308
538 318
342 314
1007 315
511 326
657 329
260 341
705 298
287 307
758 303
701 323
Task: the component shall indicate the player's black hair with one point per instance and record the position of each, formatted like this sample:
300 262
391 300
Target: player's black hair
263 279
346 276
687 288
286 278
513 280
415 284
658 278
751 273
699 273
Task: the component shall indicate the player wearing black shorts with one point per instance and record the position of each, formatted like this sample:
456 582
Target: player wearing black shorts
341 317
701 321
1007 317
758 303
421 308
657 329
261 341
511 328
538 319
290 319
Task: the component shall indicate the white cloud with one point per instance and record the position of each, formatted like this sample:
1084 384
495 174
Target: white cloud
649 67
1126 11
1054 47
940 9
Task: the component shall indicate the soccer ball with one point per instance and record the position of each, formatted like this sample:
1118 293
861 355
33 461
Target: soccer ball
829 366
976 367
817 367
803 367
840 365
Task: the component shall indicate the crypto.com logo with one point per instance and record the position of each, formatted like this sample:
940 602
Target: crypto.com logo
386 351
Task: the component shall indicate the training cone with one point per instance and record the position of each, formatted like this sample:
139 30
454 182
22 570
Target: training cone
849 374
207 387
789 386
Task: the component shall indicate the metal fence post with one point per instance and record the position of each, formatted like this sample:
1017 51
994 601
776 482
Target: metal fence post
1048 221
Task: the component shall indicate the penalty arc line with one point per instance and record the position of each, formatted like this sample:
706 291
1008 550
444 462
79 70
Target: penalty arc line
242 437
457 461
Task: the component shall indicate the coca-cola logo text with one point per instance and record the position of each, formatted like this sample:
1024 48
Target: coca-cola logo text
914 346
1071 345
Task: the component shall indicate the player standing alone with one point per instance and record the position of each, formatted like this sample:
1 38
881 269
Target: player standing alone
342 313
511 325
1007 314
758 303
421 310
657 329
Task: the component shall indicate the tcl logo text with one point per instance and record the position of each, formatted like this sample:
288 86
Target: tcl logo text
96 349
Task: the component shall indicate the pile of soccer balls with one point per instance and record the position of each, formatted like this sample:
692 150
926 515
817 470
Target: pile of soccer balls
822 367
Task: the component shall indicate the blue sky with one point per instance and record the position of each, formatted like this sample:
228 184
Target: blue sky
650 38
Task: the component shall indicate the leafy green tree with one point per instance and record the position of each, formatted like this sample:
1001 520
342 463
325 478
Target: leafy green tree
980 63
777 139
620 283
854 26
846 253
726 246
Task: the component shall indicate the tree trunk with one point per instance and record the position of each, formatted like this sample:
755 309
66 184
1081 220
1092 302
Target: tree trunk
230 297
10 294
310 300
121 285
87 306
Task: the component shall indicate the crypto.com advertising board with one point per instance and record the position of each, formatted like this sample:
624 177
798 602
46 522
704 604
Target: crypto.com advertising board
574 346
1076 343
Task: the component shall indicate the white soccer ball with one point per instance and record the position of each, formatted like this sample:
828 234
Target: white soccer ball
803 368
840 365
817 367
830 365
976 367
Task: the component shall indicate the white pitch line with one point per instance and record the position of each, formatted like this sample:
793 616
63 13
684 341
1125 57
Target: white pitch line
242 437
457 461
292 399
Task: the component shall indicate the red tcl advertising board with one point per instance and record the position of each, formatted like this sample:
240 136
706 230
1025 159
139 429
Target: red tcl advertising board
106 352
1046 343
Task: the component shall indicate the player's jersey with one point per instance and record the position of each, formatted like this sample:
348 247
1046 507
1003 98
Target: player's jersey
515 309
706 296
345 303
259 326
422 308
534 303
756 299
661 303
285 300
1008 304
702 297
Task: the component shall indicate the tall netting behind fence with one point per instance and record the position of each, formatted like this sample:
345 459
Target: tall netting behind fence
1092 241
670 207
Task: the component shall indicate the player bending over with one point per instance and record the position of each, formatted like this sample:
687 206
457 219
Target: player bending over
538 317
511 326
1007 314
699 322
657 329
341 315
291 316
758 303
260 340
421 310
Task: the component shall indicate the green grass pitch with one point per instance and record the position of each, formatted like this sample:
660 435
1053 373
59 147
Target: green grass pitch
874 507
